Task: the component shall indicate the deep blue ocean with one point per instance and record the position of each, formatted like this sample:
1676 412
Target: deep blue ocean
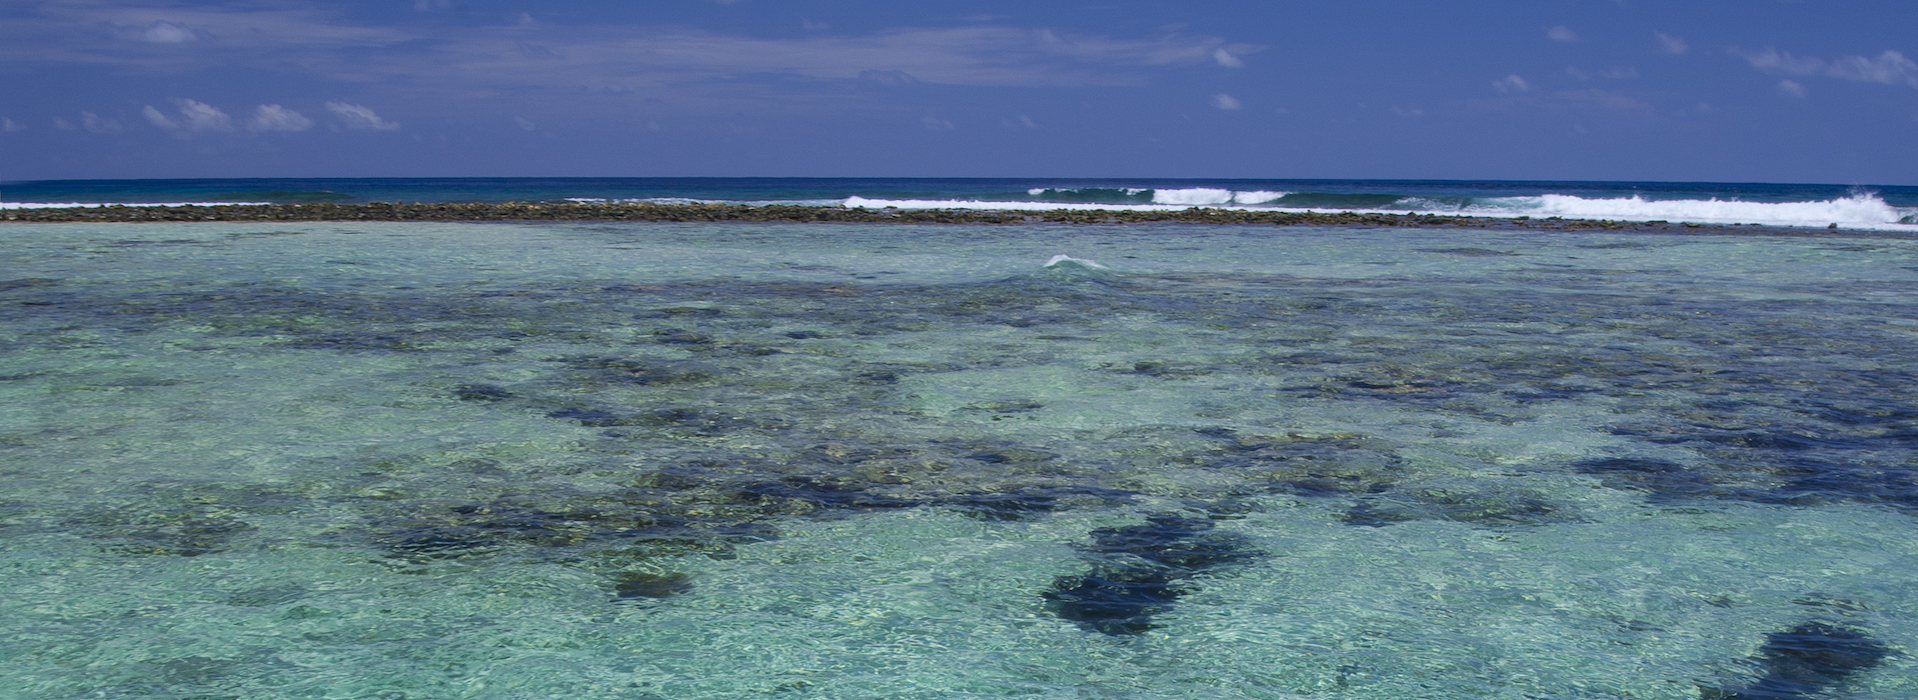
1869 206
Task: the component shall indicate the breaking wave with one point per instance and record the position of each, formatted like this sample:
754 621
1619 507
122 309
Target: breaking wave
1858 210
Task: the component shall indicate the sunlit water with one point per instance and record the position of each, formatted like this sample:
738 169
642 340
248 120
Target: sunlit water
715 461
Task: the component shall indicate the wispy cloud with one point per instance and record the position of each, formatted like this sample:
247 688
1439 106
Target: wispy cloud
1224 101
1791 88
151 36
359 117
1561 33
194 116
598 57
164 32
1602 98
157 118
1890 67
1511 83
201 116
1671 44
11 125
1626 73
101 125
638 58
277 118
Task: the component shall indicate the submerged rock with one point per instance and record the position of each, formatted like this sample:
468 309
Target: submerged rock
481 392
1140 571
1806 661
1481 508
633 585
1115 605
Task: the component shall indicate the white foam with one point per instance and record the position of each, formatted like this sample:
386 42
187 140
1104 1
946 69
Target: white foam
865 203
1196 196
1862 211
1256 197
1061 259
1858 210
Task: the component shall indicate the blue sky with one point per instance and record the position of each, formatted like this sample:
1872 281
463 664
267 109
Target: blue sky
1748 90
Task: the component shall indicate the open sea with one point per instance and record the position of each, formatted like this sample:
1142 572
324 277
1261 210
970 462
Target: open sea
716 460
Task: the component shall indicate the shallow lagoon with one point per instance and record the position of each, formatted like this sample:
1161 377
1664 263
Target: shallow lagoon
714 461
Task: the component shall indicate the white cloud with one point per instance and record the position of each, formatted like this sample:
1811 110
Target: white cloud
11 125
1408 112
63 125
708 70
100 125
1791 88
1602 98
935 124
277 118
1773 59
1224 101
1626 73
194 116
1511 83
164 32
201 116
1890 67
1023 122
158 119
1561 33
358 117
525 124
1671 44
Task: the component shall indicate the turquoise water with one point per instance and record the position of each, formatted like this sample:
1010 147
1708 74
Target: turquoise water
723 461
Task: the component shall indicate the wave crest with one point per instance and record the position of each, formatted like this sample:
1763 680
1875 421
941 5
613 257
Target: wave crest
1861 209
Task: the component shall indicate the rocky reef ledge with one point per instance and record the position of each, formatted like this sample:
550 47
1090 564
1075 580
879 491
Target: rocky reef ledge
640 211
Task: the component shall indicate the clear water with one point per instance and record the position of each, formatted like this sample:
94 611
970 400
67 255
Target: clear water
723 461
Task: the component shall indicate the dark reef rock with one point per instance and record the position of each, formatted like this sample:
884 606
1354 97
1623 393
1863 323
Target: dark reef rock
1140 571
1480 508
1114 605
591 417
645 211
635 585
481 392
1805 662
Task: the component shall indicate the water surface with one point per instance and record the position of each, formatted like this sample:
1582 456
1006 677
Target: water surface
716 461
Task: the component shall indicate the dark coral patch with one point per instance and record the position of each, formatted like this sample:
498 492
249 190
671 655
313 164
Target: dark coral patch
1140 571
635 585
1806 661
